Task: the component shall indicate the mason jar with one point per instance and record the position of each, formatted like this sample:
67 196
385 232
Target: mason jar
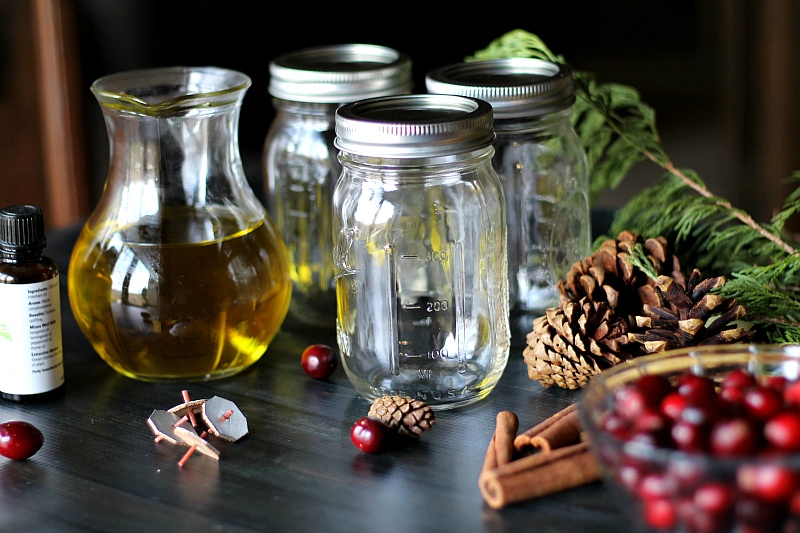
300 161
420 249
541 164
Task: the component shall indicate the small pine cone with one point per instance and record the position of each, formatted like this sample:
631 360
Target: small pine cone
408 416
689 315
608 275
572 343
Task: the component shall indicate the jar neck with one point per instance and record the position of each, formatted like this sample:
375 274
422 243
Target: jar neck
528 123
448 163
305 108
175 149
186 160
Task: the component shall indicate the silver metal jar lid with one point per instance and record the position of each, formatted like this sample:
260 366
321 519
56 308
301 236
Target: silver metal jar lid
339 74
414 125
514 86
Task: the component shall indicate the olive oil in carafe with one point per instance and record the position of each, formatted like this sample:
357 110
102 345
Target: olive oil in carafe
204 303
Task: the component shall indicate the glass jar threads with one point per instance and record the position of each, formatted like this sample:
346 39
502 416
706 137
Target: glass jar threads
420 249
300 163
541 164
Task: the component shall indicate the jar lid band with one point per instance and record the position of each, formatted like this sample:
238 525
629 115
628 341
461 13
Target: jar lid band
513 86
339 74
414 125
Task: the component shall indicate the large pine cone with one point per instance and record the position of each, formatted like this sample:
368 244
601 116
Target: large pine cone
608 275
689 315
408 416
572 343
611 311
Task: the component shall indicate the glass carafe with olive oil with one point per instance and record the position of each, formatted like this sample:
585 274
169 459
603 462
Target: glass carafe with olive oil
179 273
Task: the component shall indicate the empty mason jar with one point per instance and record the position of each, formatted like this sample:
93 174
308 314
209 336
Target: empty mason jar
300 164
420 249
541 164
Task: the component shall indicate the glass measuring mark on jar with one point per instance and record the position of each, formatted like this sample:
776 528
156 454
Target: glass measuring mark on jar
421 312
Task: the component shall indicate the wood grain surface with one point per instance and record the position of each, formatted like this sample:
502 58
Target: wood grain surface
297 470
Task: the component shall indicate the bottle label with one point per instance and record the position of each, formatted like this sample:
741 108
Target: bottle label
31 354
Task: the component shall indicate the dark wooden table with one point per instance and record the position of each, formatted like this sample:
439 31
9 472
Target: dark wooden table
297 470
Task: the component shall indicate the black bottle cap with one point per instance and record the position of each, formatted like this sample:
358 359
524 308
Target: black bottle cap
22 227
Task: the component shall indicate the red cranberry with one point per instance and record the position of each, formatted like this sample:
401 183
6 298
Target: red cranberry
19 440
771 483
645 393
651 421
615 425
777 383
702 411
368 434
656 439
656 388
659 513
783 431
687 473
695 386
655 485
689 437
673 405
762 402
734 437
318 361
715 497
734 396
631 402
794 504
791 394
738 378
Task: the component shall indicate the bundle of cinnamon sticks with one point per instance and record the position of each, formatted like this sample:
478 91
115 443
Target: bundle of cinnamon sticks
549 457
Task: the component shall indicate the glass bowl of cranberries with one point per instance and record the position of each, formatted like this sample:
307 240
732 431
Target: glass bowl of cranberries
701 440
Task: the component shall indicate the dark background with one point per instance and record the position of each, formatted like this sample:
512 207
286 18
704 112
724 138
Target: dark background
722 75
246 35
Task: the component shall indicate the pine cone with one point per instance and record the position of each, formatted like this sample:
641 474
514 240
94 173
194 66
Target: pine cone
408 416
688 315
572 343
611 311
607 275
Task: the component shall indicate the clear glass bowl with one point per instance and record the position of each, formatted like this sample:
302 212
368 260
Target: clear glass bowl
686 483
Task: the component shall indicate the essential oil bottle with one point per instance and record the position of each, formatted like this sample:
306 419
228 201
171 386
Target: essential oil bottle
31 352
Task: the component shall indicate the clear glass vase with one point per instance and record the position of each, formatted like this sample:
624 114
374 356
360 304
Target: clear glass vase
179 273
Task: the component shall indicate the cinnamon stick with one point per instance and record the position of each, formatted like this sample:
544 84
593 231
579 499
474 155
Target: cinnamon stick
561 429
505 432
501 446
538 475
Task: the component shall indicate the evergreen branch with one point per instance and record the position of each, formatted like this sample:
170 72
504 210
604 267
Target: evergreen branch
638 258
743 217
617 130
516 43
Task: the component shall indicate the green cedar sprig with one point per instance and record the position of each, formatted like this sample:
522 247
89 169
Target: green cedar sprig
617 131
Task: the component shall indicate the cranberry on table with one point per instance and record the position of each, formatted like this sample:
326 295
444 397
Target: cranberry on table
368 434
319 361
19 440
